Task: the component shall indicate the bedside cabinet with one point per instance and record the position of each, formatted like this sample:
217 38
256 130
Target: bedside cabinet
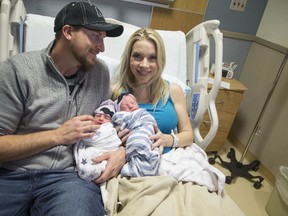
227 104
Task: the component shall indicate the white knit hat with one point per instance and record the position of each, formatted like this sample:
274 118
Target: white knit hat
106 107
119 100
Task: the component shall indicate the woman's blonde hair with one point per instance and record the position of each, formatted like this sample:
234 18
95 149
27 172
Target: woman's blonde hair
126 79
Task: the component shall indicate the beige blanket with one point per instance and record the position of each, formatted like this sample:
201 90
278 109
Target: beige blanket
162 195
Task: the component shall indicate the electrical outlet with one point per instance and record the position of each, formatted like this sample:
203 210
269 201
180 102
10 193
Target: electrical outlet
238 5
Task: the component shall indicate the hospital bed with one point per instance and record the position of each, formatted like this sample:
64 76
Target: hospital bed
187 55
187 63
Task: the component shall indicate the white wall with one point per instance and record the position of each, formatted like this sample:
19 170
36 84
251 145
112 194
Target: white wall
273 26
270 145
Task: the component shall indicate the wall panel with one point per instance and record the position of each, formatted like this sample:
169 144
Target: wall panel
182 15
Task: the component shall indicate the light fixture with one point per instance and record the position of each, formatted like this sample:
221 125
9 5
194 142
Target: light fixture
156 3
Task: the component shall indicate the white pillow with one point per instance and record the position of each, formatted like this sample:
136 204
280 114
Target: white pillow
113 65
174 42
186 89
39 32
114 47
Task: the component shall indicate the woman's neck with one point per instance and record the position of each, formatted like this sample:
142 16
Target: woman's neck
142 94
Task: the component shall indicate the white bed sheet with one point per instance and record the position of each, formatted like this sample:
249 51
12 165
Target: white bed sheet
38 32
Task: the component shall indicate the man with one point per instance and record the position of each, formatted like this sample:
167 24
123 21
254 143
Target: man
47 100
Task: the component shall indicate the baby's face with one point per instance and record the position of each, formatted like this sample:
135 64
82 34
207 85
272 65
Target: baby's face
101 118
128 103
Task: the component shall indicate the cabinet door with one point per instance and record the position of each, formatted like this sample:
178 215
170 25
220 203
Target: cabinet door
270 144
227 104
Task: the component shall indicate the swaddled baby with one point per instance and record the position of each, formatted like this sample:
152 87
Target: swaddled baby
104 140
141 159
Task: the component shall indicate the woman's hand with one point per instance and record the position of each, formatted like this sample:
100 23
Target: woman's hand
161 140
157 139
115 162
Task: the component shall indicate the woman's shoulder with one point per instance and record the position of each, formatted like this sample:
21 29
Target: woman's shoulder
175 88
176 92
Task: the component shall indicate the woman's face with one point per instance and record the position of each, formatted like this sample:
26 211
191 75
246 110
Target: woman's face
143 61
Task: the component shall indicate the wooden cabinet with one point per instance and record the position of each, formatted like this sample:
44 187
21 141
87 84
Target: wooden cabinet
172 18
227 104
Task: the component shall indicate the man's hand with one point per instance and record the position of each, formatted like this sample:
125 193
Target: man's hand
15 147
75 129
115 162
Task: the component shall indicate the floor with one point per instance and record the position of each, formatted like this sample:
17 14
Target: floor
252 201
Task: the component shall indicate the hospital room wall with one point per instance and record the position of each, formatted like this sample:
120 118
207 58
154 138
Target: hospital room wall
264 60
239 28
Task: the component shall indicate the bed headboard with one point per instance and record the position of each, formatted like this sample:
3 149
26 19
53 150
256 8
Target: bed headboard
187 56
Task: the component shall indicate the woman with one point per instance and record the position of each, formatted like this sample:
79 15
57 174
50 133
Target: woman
142 65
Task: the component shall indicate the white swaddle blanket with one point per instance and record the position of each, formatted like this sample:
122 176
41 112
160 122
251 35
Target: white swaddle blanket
191 164
104 140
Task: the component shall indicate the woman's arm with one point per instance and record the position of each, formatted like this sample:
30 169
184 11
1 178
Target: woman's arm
185 134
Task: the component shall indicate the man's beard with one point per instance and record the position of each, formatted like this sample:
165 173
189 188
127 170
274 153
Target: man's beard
85 65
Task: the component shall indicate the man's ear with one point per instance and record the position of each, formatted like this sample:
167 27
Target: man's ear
67 31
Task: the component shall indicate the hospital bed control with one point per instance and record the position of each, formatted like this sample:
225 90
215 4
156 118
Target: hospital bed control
194 105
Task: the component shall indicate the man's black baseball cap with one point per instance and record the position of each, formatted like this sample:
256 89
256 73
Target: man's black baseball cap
86 15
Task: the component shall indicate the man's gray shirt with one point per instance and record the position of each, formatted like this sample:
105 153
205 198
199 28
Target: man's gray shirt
35 97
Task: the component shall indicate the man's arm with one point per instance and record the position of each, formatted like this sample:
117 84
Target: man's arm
14 147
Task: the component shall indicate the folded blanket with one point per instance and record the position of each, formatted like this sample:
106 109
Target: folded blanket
191 164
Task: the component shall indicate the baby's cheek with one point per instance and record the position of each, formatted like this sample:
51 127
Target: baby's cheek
96 122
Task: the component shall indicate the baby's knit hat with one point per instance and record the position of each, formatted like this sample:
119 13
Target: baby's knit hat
106 107
119 100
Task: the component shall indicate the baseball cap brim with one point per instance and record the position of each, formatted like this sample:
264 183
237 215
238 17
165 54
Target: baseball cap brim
112 30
